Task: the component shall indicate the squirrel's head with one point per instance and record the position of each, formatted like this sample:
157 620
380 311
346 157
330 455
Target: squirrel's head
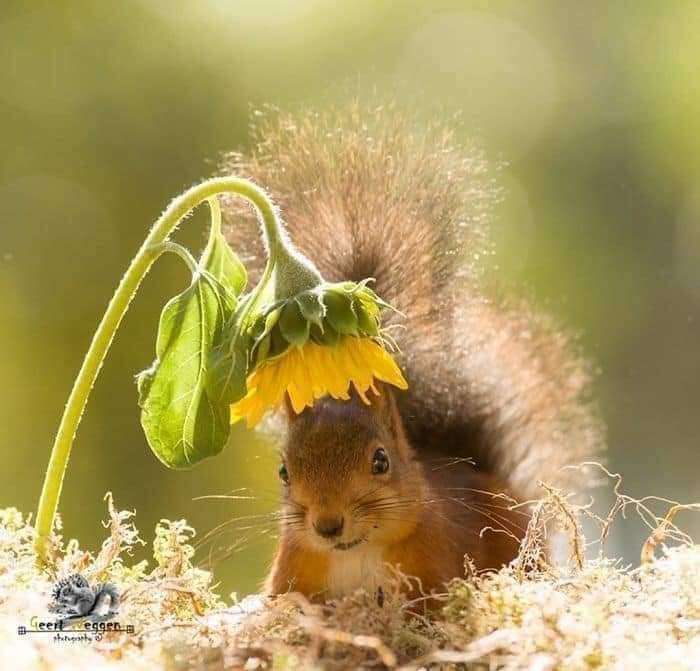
348 474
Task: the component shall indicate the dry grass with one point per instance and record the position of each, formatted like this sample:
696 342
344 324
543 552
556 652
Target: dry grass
587 613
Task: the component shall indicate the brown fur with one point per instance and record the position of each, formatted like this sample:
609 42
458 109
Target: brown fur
365 194
423 516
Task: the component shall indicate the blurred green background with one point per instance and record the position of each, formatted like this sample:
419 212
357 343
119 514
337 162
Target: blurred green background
107 110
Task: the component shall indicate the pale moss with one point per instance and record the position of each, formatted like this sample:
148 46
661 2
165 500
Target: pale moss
596 616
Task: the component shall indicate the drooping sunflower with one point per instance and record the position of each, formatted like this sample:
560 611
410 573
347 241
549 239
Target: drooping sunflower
312 371
325 341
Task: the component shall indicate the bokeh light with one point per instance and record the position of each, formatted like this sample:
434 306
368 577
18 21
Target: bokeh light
109 109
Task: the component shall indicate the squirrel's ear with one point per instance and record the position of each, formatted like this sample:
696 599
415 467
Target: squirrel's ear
388 410
289 412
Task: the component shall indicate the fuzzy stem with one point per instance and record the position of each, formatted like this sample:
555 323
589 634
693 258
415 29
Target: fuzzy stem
180 251
151 248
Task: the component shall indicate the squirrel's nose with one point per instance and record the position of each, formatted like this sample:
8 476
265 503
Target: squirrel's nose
329 527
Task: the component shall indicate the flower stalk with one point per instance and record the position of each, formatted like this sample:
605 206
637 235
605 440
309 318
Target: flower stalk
150 250
222 356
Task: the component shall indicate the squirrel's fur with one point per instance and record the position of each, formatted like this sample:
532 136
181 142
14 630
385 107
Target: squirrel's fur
365 194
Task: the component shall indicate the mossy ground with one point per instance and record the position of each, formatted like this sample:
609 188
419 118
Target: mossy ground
584 614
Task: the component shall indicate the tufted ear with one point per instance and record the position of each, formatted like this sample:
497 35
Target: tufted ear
387 411
383 408
289 413
307 414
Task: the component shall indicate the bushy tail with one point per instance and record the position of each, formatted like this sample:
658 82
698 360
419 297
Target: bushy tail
365 194
106 594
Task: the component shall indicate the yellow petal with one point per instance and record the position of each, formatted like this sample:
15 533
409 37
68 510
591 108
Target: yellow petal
313 371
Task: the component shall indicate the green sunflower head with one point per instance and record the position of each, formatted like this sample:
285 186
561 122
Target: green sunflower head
322 314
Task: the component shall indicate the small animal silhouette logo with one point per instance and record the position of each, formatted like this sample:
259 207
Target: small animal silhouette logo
73 598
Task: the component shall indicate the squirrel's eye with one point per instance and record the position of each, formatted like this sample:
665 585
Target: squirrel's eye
380 462
284 475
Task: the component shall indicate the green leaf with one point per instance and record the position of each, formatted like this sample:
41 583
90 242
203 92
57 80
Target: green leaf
278 344
311 306
263 327
340 312
223 264
227 368
369 301
264 348
327 336
365 319
293 326
184 416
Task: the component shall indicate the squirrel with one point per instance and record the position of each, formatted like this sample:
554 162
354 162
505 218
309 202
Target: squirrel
74 598
499 398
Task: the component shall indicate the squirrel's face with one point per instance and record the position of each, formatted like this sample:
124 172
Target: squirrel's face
348 475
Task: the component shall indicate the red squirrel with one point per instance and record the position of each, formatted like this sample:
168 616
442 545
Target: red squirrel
498 398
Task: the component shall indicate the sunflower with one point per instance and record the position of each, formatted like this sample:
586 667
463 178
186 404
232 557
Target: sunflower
311 371
309 338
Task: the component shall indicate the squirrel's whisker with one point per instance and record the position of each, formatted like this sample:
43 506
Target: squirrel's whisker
497 519
485 492
497 401
366 494
263 519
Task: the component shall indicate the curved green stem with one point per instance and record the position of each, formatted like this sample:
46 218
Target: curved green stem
179 250
150 250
